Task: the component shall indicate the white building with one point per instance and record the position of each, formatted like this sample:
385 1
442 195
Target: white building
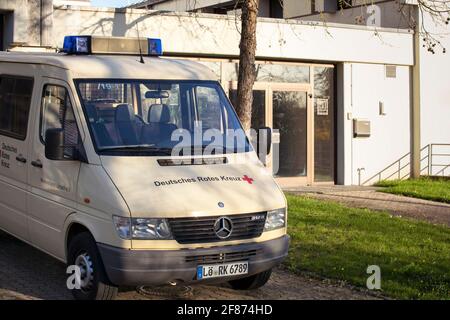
316 81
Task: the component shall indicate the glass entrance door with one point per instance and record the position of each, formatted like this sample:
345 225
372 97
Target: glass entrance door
324 125
287 109
290 118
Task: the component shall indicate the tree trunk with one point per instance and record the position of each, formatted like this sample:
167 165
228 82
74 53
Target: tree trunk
247 72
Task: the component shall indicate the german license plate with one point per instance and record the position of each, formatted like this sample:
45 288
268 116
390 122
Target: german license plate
222 270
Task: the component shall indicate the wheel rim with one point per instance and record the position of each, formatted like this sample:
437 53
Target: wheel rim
84 262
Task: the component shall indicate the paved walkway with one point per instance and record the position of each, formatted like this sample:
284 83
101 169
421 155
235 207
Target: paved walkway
369 197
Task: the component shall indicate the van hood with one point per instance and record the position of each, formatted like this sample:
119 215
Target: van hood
242 185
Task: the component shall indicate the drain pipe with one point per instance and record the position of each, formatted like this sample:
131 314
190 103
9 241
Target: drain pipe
415 100
45 22
40 23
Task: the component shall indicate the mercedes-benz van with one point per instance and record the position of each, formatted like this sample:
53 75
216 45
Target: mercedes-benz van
88 172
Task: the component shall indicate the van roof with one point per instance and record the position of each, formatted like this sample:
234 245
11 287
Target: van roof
115 66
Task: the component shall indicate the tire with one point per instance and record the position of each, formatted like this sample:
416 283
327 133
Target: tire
253 282
95 285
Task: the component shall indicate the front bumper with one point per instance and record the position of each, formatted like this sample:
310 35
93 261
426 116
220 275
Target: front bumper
155 267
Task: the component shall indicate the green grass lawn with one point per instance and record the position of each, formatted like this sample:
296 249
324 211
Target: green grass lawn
436 189
338 242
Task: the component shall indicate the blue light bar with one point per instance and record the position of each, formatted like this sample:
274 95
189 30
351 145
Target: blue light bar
112 45
77 44
155 47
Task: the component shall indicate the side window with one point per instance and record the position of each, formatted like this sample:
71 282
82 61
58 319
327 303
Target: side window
57 113
15 99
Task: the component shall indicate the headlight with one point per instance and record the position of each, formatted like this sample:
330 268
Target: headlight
142 228
122 225
275 219
150 229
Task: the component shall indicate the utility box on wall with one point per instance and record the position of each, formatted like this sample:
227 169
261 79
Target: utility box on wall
361 128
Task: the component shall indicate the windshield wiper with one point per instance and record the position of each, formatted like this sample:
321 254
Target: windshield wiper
139 148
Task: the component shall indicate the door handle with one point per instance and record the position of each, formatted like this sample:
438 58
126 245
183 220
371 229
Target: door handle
36 163
20 158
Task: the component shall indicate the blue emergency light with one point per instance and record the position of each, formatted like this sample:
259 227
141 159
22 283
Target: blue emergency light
80 45
77 44
154 47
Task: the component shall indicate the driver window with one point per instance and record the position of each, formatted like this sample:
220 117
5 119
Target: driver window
57 113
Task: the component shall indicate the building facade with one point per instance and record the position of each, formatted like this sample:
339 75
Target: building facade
319 84
267 8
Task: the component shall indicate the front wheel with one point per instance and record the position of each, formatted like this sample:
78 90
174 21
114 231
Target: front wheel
94 284
253 282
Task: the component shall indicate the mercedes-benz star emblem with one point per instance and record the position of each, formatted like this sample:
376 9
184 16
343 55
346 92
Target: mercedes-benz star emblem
221 205
223 227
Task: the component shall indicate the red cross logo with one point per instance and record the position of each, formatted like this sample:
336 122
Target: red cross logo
247 179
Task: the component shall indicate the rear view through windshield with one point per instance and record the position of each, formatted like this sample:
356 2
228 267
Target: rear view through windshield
136 117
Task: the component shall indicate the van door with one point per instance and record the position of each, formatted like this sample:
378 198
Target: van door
15 102
53 183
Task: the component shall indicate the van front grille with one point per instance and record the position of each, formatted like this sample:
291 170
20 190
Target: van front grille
225 257
201 229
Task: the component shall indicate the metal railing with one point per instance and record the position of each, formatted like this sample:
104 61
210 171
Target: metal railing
434 161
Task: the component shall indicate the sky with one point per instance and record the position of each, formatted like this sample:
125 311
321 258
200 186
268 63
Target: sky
112 3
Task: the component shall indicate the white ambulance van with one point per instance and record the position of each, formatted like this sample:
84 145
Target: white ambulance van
88 173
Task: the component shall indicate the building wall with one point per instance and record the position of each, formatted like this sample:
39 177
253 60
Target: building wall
216 35
72 2
367 86
206 6
386 14
183 5
23 21
435 93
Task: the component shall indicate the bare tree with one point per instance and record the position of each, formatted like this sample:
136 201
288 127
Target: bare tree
439 11
247 72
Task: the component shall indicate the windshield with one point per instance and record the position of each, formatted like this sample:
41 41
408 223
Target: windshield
136 117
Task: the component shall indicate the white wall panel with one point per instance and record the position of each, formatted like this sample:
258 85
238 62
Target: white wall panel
219 35
390 133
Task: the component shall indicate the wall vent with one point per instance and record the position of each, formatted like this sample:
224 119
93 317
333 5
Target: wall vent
391 71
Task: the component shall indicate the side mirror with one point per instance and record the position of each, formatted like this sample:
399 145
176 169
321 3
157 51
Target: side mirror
54 144
264 140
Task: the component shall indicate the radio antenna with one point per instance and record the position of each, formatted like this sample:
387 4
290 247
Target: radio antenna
139 41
